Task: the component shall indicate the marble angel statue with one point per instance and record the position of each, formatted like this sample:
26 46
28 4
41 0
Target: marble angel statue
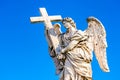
73 62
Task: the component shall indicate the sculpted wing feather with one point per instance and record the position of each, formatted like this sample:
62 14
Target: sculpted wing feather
52 52
57 28
96 29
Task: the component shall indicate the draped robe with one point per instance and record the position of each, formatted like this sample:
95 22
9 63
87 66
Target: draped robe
79 47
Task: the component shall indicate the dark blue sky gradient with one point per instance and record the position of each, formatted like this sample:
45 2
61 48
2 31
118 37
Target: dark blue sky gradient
23 47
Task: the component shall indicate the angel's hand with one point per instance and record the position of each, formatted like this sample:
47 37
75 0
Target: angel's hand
63 50
61 56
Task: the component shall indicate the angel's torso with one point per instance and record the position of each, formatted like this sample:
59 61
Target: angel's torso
86 47
79 56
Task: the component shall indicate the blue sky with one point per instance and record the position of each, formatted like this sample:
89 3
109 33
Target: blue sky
23 47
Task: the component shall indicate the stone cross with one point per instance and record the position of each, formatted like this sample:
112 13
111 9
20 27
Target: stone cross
50 34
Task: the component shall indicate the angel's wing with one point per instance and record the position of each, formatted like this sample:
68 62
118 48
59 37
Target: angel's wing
52 52
96 29
57 28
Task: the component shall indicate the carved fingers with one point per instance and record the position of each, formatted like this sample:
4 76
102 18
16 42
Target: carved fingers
61 56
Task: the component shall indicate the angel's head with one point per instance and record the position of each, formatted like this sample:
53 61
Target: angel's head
68 22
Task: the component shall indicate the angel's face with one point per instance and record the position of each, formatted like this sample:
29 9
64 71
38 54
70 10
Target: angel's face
67 24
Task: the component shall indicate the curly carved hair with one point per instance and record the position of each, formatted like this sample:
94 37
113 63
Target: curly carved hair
70 20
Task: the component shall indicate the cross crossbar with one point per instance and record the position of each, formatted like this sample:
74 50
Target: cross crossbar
50 34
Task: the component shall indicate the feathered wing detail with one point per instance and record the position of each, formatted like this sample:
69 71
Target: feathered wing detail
57 28
52 52
96 29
